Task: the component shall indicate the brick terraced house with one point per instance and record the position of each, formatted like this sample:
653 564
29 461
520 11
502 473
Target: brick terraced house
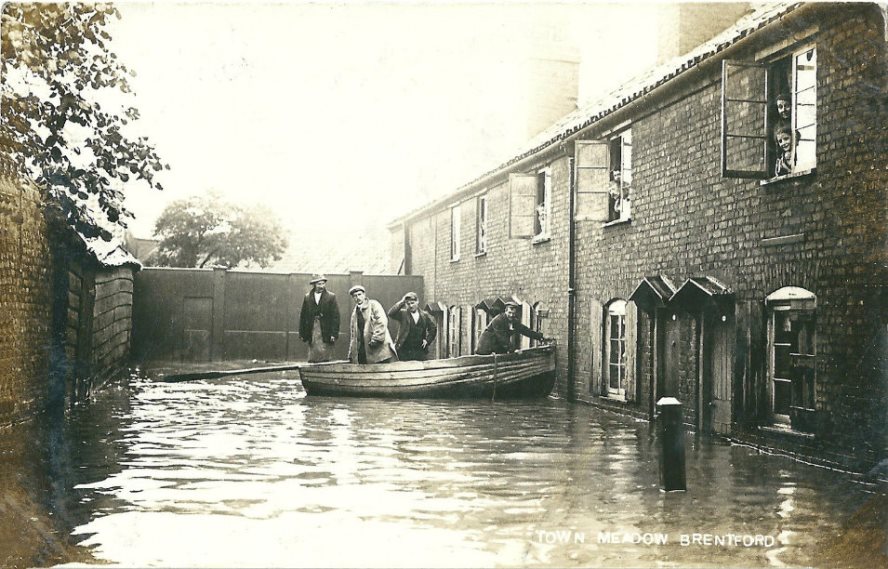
674 245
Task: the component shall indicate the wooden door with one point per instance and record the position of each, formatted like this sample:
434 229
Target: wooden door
717 374
669 347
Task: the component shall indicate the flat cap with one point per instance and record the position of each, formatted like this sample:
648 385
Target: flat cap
316 278
411 296
355 289
510 303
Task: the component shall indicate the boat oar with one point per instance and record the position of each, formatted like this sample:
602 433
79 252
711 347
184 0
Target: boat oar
216 374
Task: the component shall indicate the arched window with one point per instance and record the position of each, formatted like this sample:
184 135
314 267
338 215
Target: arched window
481 321
615 348
453 329
539 313
792 356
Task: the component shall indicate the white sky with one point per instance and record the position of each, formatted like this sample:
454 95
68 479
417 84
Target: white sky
342 115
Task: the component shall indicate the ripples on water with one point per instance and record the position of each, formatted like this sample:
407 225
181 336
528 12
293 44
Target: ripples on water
250 472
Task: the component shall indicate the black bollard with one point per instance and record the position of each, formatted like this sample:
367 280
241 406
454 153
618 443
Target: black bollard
672 445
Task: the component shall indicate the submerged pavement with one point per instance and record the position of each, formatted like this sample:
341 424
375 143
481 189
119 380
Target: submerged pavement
248 472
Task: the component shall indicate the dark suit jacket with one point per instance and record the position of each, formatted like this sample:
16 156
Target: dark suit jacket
428 329
500 335
327 309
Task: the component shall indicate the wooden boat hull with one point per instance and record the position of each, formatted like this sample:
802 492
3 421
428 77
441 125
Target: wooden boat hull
524 374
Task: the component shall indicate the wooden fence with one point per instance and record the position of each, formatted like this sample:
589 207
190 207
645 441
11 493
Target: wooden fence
194 315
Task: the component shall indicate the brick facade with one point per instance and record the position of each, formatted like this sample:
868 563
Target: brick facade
25 298
66 318
823 232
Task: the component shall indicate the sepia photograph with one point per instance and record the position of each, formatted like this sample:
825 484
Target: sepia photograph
417 283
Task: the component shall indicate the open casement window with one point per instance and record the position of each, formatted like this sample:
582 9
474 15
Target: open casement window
620 178
542 207
522 205
792 357
592 165
744 144
481 226
454 232
804 107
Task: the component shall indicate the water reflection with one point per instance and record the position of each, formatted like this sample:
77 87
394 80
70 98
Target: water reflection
252 473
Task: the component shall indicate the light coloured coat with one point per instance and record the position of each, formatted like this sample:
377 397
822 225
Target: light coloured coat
375 329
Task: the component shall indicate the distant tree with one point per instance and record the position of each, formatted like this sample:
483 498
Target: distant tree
206 229
63 115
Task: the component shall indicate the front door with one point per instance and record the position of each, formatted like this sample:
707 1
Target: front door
669 347
717 378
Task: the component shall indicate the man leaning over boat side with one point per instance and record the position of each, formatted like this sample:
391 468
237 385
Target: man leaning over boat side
319 320
501 335
370 341
417 330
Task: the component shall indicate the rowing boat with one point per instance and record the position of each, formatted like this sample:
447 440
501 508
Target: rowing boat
526 373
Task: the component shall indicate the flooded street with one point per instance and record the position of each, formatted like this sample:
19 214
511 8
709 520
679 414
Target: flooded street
248 472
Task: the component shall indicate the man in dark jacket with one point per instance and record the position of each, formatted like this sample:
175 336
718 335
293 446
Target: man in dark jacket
417 328
319 320
501 335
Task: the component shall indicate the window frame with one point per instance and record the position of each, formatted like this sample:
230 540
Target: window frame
455 232
776 65
454 324
481 224
782 304
542 224
618 141
616 308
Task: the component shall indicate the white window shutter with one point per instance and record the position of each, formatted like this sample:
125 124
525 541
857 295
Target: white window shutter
744 102
631 349
595 347
522 205
592 180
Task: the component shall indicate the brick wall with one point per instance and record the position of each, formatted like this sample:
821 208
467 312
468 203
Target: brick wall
25 298
533 272
689 221
66 323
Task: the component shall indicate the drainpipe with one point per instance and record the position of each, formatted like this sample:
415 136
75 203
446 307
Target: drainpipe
571 279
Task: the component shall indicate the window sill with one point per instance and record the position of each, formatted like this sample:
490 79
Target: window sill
454 260
786 430
786 177
480 254
618 222
542 238
616 397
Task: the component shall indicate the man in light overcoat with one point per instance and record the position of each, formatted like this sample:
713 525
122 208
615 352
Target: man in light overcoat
370 342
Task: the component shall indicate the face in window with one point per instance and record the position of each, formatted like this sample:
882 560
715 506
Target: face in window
784 107
784 141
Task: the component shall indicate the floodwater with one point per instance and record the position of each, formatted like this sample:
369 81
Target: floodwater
249 472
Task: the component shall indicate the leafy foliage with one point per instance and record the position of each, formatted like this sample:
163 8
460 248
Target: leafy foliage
201 229
57 70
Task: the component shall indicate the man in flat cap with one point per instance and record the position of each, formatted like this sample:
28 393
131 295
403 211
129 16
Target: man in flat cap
417 328
319 320
501 335
370 342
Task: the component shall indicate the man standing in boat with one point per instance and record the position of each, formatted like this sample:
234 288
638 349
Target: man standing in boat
370 341
417 328
500 336
319 320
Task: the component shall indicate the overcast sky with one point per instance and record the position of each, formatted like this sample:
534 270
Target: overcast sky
347 114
